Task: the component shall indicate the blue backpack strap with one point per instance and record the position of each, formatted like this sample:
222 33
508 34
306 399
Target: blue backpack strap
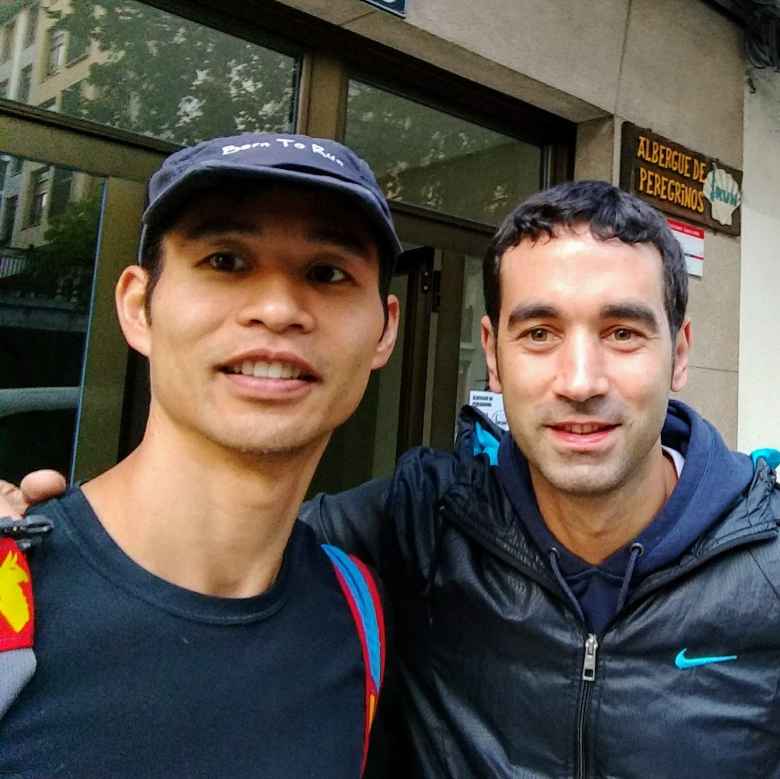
362 595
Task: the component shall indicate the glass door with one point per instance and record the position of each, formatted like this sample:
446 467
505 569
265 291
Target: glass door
449 362
438 358
68 226
458 362
366 446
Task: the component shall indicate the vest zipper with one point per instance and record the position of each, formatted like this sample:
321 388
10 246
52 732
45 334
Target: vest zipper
586 691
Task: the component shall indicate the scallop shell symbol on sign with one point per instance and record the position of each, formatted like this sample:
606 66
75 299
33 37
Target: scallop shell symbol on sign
724 194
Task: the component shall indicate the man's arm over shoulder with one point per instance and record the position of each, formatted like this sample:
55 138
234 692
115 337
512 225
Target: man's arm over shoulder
388 523
351 520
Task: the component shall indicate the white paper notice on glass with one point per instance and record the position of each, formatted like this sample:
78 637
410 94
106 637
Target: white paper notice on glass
491 404
691 239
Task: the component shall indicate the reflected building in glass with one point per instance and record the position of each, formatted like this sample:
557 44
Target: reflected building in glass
40 65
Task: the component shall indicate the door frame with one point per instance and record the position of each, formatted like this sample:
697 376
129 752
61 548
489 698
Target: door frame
124 166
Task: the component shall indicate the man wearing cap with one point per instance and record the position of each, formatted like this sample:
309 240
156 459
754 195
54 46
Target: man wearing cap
187 625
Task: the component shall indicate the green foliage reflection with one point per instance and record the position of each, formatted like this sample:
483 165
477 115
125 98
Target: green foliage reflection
437 160
157 74
61 267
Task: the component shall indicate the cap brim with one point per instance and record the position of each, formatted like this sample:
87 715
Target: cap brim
170 201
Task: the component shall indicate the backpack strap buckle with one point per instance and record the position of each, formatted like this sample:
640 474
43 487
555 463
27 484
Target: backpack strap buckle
27 531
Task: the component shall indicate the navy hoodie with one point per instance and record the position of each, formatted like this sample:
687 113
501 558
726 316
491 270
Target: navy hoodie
711 483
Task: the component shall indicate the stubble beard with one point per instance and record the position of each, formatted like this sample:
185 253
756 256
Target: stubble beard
582 479
591 476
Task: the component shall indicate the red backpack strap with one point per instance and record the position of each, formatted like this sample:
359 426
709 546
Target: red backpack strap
17 609
17 606
17 623
362 596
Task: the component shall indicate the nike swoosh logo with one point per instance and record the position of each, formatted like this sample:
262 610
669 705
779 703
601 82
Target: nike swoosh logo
681 661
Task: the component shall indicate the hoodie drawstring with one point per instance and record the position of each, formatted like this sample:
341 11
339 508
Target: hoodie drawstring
553 556
637 550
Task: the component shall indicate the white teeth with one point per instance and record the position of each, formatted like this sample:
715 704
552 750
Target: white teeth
267 370
582 429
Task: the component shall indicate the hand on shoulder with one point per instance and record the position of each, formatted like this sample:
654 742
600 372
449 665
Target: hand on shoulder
34 488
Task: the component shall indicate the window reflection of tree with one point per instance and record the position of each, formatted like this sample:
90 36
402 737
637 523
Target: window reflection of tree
157 74
434 159
54 263
60 268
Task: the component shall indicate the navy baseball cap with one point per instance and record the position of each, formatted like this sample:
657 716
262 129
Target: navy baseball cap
315 162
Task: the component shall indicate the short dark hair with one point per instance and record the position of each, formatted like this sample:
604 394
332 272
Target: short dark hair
152 260
608 212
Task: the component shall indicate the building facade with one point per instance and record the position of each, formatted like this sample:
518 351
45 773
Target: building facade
461 108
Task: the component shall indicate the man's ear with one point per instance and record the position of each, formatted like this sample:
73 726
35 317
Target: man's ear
386 343
490 347
130 295
682 351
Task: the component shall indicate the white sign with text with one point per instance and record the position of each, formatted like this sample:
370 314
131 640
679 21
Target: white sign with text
491 404
691 239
